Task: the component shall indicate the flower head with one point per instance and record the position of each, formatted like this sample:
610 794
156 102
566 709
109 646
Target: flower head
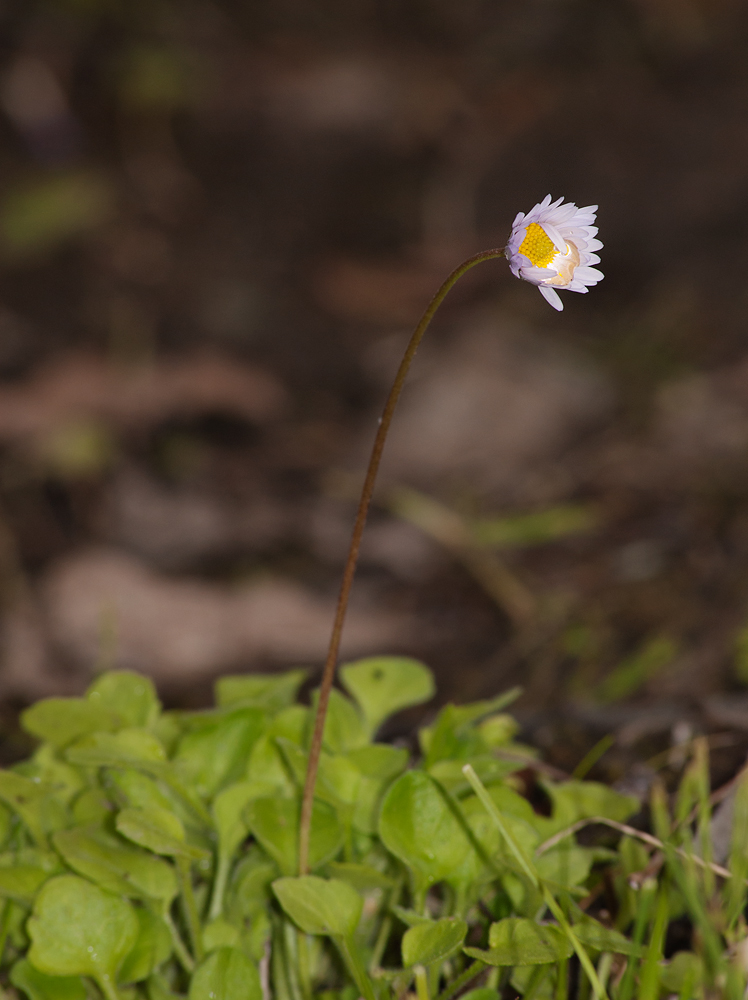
553 247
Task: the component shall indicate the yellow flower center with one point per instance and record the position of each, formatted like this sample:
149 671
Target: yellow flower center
538 246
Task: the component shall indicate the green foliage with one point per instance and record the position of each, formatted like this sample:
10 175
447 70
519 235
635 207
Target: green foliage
154 856
320 906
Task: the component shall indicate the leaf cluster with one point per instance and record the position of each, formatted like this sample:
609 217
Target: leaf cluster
151 854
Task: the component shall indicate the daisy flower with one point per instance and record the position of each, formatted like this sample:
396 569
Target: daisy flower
553 247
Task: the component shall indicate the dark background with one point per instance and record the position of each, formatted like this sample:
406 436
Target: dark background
218 223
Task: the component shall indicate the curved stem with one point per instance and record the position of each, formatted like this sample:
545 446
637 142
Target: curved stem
328 674
192 917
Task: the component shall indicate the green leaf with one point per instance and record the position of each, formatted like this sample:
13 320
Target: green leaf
22 882
377 769
128 748
683 968
596 937
483 993
517 941
158 830
59 721
566 865
454 735
433 942
363 878
320 906
215 754
383 685
228 813
417 825
114 865
268 764
33 802
489 769
379 761
409 917
340 779
78 929
63 781
226 974
275 824
152 947
38 986
219 933
130 788
269 691
132 696
575 800
344 728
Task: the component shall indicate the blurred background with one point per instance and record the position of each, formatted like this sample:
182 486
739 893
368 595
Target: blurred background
219 221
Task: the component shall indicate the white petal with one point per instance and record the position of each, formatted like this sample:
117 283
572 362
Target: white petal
589 275
554 236
551 297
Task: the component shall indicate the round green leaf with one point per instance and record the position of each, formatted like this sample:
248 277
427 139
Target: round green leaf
518 941
275 824
130 695
214 754
320 906
78 929
59 721
114 865
128 747
226 974
158 830
433 942
22 882
152 948
38 986
418 826
269 691
382 685
566 865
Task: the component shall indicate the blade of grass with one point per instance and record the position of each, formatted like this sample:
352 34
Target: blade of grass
649 979
647 894
529 868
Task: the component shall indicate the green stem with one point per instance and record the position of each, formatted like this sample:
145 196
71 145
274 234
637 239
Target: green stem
644 905
190 908
490 806
649 975
302 952
462 980
184 957
380 944
219 886
328 674
4 927
350 957
108 988
422 984
584 958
